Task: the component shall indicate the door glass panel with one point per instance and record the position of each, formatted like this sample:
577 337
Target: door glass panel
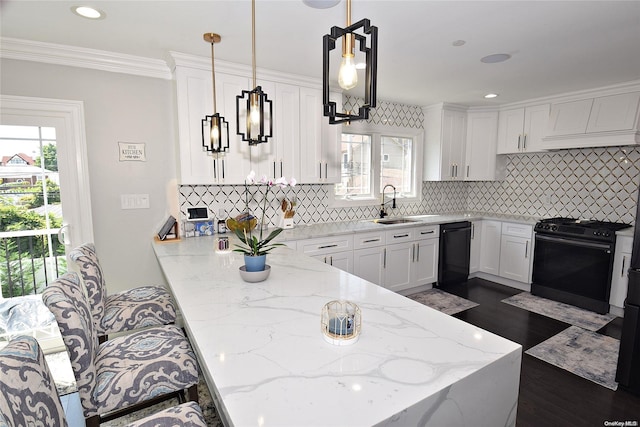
30 218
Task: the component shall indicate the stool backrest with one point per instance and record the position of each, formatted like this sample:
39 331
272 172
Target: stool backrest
66 299
28 394
86 262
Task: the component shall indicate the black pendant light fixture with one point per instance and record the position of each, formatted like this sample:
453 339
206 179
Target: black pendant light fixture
347 75
254 110
215 129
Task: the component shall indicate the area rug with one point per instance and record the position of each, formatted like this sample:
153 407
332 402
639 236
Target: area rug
560 311
443 301
585 353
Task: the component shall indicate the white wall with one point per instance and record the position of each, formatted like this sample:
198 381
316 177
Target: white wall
118 107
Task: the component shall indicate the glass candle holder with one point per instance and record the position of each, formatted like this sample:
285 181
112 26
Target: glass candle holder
341 322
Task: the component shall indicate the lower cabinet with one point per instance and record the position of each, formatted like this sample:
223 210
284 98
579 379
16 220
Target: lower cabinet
506 250
619 278
490 247
476 247
398 259
341 260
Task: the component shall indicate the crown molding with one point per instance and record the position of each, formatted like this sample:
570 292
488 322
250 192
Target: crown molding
73 56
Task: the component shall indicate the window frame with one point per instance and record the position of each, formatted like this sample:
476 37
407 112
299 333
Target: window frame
376 132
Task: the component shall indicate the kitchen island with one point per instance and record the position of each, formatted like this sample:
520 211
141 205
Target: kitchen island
266 363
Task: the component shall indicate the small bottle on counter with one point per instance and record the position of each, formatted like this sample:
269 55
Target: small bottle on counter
222 226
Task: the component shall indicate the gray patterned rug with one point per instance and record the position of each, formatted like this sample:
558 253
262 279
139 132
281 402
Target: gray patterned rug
557 310
584 353
442 301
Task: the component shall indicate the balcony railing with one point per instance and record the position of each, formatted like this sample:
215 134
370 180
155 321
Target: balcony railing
29 260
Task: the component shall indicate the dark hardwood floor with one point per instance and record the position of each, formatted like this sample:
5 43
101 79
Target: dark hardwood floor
549 396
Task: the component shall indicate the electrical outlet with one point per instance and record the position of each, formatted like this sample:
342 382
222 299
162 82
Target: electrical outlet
548 199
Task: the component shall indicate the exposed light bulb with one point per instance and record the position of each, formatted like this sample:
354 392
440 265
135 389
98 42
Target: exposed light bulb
215 135
254 115
348 74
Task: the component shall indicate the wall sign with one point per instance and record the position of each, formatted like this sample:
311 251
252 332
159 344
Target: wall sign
132 152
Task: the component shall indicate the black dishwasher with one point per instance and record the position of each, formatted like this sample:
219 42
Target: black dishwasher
453 260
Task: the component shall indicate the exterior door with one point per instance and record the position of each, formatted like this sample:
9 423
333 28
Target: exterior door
44 168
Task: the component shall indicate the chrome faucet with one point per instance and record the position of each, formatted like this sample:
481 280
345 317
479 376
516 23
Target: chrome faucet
383 211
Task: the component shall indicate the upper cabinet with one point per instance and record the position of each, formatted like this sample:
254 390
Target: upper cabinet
482 163
195 100
602 121
304 146
520 130
445 134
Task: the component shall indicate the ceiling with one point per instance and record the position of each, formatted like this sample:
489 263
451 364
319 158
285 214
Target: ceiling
555 46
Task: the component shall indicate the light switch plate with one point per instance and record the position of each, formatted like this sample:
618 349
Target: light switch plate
134 201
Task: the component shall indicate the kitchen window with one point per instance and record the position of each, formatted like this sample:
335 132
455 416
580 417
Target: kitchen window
374 157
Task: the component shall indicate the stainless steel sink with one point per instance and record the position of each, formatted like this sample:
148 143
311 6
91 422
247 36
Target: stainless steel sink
391 221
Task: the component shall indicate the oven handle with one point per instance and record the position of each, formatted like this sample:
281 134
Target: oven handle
573 242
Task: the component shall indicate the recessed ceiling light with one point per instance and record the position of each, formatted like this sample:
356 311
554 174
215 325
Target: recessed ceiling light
88 12
496 57
491 95
458 43
321 4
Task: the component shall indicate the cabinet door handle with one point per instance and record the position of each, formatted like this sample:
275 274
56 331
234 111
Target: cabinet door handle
467 171
452 171
281 174
328 246
417 252
371 240
624 261
427 232
456 170
524 142
331 260
413 253
215 172
384 258
519 136
320 164
324 259
397 236
326 165
222 161
526 249
473 230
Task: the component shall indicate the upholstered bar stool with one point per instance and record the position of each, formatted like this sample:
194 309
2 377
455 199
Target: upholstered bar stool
125 373
28 395
128 310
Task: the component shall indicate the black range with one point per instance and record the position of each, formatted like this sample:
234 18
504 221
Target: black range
573 261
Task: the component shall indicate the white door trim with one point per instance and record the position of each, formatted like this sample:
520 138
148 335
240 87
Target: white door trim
68 119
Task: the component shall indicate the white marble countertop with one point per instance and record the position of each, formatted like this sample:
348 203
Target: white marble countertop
266 362
306 231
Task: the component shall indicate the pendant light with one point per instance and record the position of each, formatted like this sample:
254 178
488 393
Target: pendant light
215 129
347 74
253 108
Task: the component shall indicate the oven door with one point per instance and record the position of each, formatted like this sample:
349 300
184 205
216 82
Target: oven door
573 271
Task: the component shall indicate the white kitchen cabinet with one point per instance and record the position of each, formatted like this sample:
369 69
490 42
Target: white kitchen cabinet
516 252
482 162
521 130
340 260
602 121
426 251
476 239
334 250
280 155
490 247
368 256
368 262
614 113
445 134
319 141
195 100
398 266
620 279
